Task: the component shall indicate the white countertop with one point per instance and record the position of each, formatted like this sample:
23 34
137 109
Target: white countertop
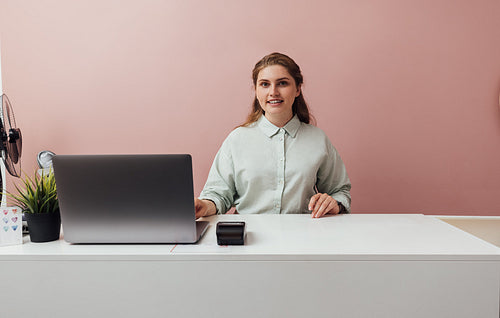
350 237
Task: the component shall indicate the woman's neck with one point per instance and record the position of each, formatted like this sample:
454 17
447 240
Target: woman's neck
277 120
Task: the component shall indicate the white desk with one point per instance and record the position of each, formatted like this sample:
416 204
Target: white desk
291 266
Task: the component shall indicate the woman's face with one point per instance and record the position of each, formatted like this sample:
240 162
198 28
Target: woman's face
276 91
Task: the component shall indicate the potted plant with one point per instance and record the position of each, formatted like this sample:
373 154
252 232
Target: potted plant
37 197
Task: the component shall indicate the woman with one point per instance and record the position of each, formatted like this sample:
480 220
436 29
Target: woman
276 162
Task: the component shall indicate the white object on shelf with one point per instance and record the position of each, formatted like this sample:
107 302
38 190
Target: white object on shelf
11 227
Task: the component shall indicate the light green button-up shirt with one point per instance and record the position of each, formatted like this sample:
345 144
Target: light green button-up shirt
266 169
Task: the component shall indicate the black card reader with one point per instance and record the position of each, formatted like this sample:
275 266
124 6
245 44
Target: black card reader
230 233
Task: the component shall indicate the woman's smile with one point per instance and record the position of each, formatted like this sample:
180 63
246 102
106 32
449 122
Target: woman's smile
275 102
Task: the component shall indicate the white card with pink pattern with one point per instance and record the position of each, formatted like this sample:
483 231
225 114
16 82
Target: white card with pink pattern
11 226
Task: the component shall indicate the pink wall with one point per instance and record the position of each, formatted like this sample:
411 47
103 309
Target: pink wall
407 90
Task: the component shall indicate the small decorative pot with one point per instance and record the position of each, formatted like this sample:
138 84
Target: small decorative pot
44 227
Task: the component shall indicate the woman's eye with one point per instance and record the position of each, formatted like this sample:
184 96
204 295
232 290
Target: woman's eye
264 84
283 83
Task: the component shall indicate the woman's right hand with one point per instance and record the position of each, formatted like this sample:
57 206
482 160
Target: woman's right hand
204 208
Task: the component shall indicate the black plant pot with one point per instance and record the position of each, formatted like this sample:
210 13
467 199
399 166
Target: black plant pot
44 227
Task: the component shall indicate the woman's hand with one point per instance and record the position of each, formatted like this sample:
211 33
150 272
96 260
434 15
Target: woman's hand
321 204
204 208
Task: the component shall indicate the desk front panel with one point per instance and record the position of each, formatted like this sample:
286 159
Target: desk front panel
249 289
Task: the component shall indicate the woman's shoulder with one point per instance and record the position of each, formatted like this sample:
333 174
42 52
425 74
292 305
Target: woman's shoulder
239 134
242 131
314 134
312 130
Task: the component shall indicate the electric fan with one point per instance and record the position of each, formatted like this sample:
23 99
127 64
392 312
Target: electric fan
10 143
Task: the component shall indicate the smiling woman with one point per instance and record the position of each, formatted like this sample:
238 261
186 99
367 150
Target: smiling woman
276 92
276 162
289 70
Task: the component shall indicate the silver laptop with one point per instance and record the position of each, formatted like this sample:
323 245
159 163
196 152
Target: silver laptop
127 198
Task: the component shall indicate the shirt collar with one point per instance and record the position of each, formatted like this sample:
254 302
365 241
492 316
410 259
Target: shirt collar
270 130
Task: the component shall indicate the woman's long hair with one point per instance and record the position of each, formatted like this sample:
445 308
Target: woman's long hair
299 106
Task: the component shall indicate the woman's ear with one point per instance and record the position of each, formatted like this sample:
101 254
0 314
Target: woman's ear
299 90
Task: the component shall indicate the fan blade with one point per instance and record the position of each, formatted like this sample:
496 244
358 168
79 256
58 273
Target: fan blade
19 142
11 168
8 114
14 147
11 144
13 153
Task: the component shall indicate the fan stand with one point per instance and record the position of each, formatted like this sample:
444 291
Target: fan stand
3 185
2 166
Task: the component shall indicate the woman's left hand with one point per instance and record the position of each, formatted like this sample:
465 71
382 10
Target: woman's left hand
321 204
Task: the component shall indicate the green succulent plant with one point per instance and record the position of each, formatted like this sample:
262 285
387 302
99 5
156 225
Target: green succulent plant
37 194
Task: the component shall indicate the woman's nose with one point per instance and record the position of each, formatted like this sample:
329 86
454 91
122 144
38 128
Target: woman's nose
273 90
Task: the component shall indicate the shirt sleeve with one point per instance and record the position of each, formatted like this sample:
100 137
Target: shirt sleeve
220 186
332 177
